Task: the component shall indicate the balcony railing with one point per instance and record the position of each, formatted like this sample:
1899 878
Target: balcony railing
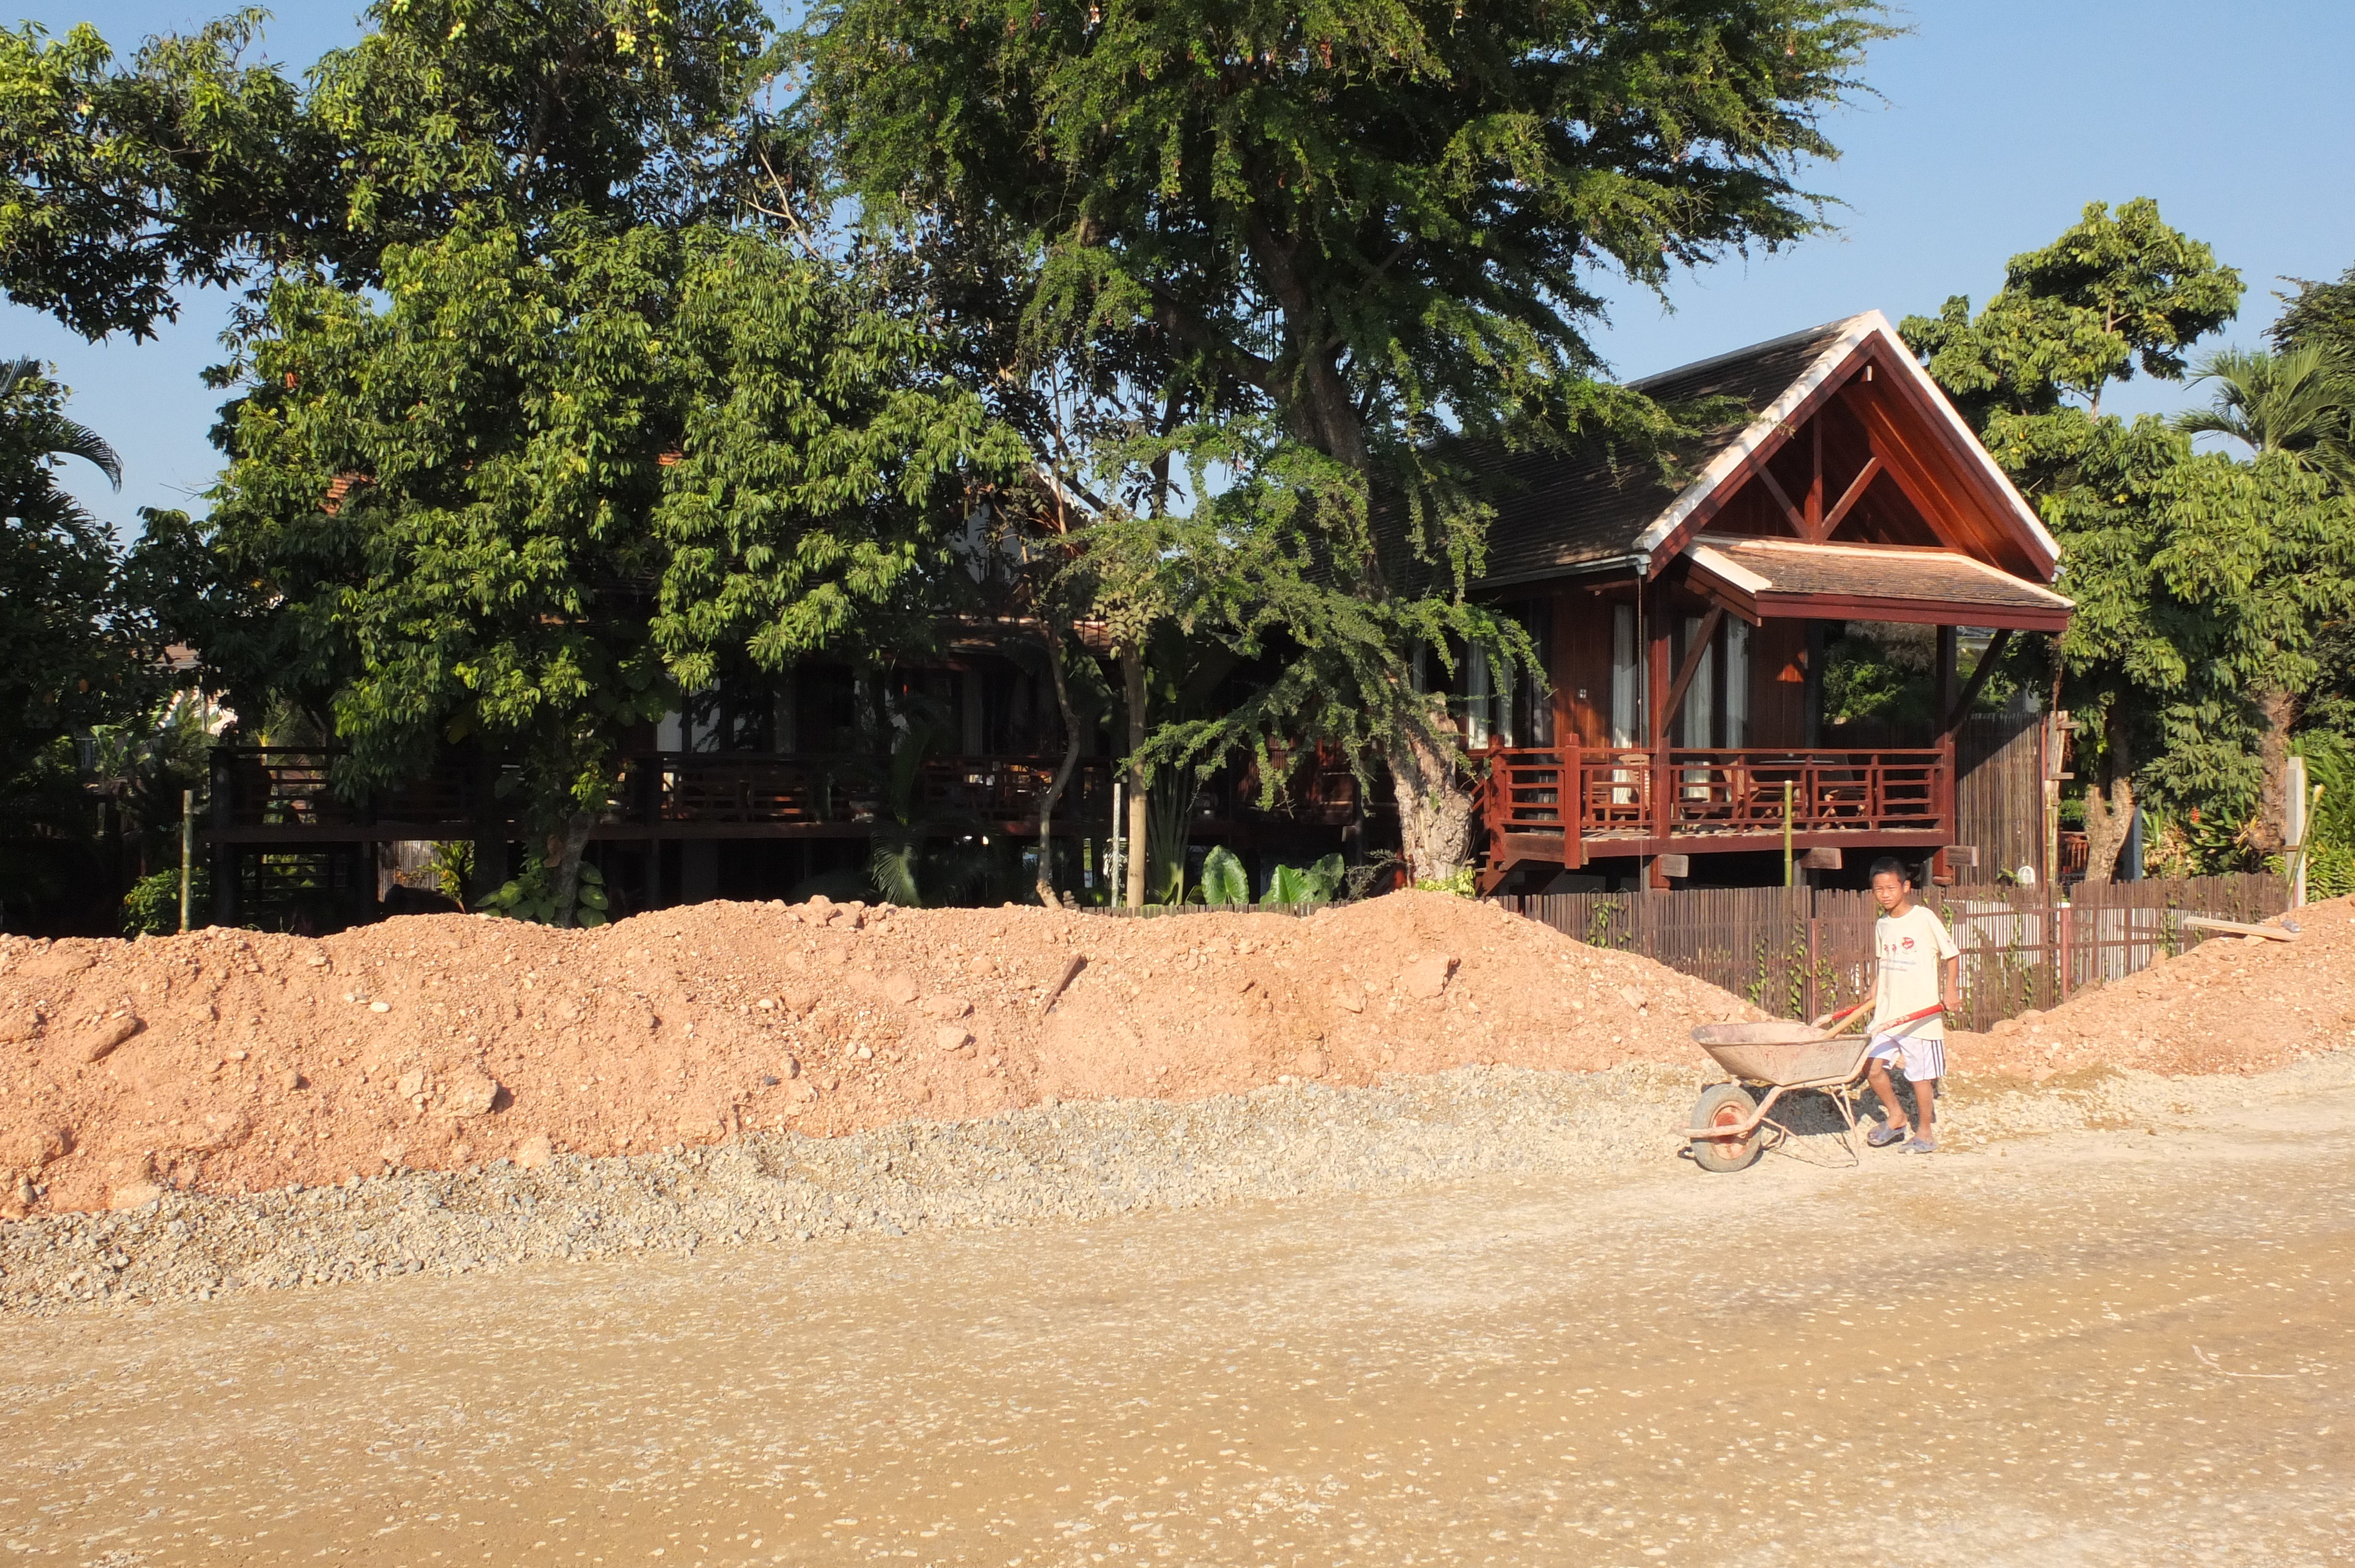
753 789
1572 804
265 793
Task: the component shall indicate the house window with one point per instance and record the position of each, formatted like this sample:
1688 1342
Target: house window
1532 705
1698 720
1626 678
1477 730
1737 682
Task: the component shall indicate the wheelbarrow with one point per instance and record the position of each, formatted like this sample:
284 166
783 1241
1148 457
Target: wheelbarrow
1731 1124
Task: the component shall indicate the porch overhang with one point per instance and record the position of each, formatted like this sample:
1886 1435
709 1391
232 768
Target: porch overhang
1763 579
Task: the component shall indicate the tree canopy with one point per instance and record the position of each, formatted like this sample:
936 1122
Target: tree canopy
129 181
2206 585
1334 252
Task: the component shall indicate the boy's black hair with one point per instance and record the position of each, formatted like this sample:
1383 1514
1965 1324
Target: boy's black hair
1890 864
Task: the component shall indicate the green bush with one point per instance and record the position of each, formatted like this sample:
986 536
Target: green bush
152 907
532 897
1465 884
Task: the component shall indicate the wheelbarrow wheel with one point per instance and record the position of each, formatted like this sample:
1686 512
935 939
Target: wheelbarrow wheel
1726 1104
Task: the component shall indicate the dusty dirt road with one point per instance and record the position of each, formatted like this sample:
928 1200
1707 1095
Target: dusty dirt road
2107 1349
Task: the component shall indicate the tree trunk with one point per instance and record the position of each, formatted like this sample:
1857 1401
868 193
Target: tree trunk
1434 808
1140 818
2280 710
1063 774
2109 800
567 890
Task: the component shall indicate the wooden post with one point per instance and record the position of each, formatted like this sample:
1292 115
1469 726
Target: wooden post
1949 655
2068 947
224 813
1574 805
1656 706
1947 782
1787 832
187 857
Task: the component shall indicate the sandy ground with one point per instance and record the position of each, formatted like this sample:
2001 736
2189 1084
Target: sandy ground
2089 1348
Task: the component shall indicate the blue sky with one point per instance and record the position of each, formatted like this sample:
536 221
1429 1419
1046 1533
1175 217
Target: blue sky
1997 121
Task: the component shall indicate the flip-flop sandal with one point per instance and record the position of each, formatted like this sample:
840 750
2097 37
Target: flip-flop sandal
1921 1146
1882 1137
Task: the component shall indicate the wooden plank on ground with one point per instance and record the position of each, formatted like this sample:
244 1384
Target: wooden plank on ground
2235 927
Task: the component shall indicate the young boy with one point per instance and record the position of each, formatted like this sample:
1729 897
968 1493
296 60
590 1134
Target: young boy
1915 965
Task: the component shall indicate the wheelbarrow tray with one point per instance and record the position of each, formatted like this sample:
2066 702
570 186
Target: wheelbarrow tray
1783 1055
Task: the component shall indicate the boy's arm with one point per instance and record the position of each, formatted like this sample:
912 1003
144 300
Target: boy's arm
1952 994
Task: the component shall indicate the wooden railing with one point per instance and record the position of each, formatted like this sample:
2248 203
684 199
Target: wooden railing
752 787
292 787
1572 803
281 788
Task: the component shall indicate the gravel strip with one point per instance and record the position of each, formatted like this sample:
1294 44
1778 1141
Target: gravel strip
1076 1162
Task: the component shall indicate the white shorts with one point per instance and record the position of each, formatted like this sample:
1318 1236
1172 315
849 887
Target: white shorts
1925 1059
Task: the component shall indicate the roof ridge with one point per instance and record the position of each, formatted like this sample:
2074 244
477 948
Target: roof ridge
1749 351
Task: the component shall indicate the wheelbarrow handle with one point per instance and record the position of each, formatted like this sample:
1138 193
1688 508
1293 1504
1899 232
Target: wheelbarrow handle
1839 1020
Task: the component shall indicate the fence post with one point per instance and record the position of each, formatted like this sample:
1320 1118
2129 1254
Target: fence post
2065 937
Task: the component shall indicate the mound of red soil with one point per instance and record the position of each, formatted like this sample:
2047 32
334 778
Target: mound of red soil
2233 1004
230 1060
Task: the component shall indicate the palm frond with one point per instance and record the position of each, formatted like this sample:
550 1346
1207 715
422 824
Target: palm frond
66 438
44 429
2298 402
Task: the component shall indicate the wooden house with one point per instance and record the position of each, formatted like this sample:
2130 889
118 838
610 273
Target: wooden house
1684 620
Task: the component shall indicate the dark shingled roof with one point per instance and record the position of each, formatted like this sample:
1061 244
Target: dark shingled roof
1558 512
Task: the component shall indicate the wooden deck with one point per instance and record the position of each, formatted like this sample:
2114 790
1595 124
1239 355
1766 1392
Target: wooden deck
1569 805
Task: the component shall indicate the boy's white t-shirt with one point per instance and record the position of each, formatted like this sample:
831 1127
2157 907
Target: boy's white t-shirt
1913 948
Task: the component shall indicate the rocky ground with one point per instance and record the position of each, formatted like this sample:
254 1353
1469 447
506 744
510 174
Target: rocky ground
2123 1349
1048 1163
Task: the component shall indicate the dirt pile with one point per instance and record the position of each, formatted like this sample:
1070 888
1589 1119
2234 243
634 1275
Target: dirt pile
231 1061
2233 1004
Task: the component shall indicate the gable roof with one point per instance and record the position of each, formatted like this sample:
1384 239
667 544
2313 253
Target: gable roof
1564 515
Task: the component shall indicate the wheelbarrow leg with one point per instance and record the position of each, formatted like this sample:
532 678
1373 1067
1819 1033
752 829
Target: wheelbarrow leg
1842 1097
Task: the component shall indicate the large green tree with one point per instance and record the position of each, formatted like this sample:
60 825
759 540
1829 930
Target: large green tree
2117 292
128 182
545 485
1311 245
2269 545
